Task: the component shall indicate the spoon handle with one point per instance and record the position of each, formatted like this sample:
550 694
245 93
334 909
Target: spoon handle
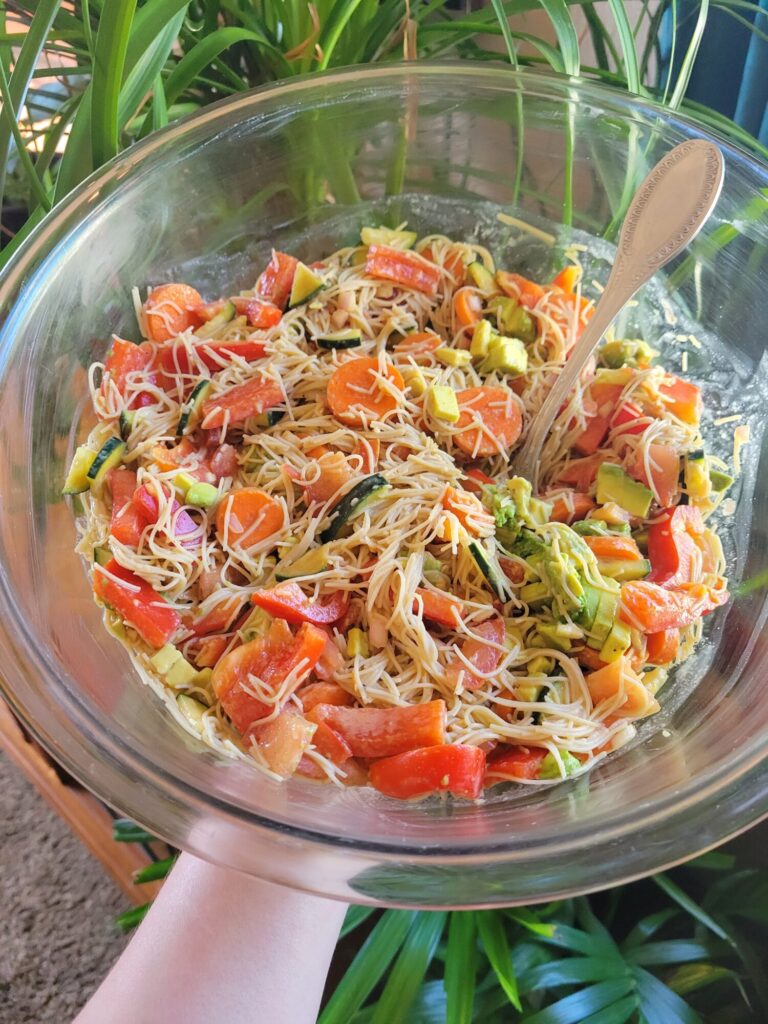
667 212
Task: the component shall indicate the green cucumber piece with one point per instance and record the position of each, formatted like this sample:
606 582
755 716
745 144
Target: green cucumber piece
126 422
388 236
624 569
481 277
192 409
489 567
309 564
720 481
111 455
362 496
306 284
269 418
101 555
77 478
214 325
341 339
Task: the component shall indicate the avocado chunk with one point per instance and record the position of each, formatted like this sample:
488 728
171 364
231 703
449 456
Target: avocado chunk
698 482
506 355
306 284
453 356
535 594
586 616
550 769
192 710
481 339
550 634
617 642
605 616
481 276
615 354
720 481
512 319
310 563
442 403
613 484
624 569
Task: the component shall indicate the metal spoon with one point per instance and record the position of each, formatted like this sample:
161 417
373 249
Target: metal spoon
668 211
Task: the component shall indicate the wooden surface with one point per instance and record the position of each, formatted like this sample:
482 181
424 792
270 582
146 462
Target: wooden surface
86 816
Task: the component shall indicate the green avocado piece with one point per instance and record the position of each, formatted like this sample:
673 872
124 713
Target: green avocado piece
548 631
720 481
605 616
617 642
613 484
507 355
615 354
590 605
624 569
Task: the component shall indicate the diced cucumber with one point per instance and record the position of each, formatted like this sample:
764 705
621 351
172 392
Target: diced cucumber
192 409
720 481
506 355
388 236
101 555
621 376
512 319
624 569
341 339
77 479
698 483
640 538
535 594
269 418
214 325
617 642
310 563
550 769
415 380
532 692
362 496
488 564
616 354
256 625
481 276
306 284
613 484
181 673
162 661
111 455
192 710
126 422
357 643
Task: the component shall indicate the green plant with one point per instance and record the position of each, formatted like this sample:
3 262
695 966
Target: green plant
128 67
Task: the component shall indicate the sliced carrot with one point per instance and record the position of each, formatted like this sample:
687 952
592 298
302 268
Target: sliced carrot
498 418
682 399
236 405
453 262
454 768
623 548
467 509
333 472
418 347
402 267
384 732
275 282
528 293
570 507
664 465
568 278
467 307
662 647
171 309
617 678
248 516
369 450
324 693
354 391
441 608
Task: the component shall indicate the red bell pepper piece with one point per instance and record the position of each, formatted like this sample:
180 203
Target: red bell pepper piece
215 355
672 546
288 601
650 608
450 768
384 732
276 281
126 524
148 507
271 659
136 603
528 293
125 358
626 417
238 403
662 472
475 479
512 763
402 267
604 397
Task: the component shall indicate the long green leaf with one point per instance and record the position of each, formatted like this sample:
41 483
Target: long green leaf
143 75
109 64
354 918
690 906
686 67
627 40
575 970
506 32
565 32
659 1004
669 951
575 1008
408 973
335 23
36 186
9 249
376 954
159 105
24 65
617 1013
460 967
150 20
490 926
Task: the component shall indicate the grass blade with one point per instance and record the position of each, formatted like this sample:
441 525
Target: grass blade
406 977
460 967
368 967
490 926
354 918
109 64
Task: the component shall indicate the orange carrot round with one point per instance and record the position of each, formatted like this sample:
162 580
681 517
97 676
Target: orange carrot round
493 409
171 309
467 307
248 516
418 346
354 393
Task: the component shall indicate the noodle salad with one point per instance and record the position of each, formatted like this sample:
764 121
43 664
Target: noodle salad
300 520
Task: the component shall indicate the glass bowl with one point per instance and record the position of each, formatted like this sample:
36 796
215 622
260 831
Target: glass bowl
301 165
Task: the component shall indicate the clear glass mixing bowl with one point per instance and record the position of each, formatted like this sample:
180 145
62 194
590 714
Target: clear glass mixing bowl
295 165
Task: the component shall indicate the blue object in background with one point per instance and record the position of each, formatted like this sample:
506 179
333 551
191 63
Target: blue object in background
731 70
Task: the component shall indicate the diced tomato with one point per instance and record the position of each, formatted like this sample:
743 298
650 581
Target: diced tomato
604 397
333 473
271 659
126 524
570 507
474 479
276 281
331 744
626 417
236 405
439 607
664 465
483 657
661 648
137 604
332 660
615 547
126 358
258 313
213 354
384 732
283 740
682 399
512 569
219 618
468 510
288 601
581 473
528 293
369 450
324 693
511 763
172 309
650 608
674 546
404 268
209 651
450 768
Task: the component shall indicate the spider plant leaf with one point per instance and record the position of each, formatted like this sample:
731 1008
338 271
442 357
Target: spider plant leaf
583 1005
159 105
672 951
531 920
150 20
337 20
376 954
108 67
490 927
407 974
146 70
354 918
686 67
9 249
690 906
461 967
506 32
648 926
156 870
628 46
565 32
659 1004
18 83
39 195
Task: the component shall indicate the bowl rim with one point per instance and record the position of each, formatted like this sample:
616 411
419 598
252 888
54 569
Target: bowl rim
84 201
